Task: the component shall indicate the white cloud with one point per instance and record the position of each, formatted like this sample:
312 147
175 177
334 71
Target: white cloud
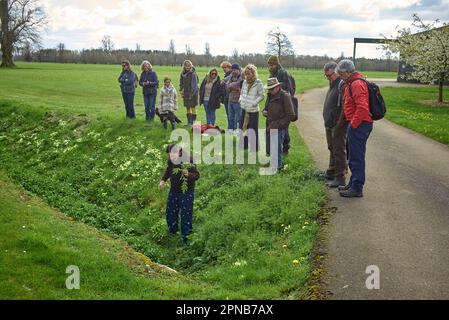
318 27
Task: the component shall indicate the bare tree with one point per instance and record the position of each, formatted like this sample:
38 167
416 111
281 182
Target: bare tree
278 44
20 23
107 44
189 52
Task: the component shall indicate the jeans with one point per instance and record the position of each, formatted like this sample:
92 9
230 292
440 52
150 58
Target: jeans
210 114
128 99
234 116
149 102
357 139
176 202
281 135
286 143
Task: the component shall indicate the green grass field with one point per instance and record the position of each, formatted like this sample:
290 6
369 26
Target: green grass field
406 108
63 138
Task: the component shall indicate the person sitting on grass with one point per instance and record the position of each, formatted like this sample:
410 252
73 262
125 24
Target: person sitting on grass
168 104
183 174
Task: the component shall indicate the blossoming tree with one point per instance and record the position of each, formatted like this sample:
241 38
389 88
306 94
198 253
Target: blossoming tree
427 52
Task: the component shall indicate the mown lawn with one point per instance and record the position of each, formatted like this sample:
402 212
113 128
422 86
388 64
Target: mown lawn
406 108
64 138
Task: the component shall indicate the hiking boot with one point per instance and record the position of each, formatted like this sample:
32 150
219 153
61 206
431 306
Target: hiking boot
330 175
344 188
351 193
337 182
193 118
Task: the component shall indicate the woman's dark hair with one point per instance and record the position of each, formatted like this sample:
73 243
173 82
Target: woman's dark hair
183 155
171 146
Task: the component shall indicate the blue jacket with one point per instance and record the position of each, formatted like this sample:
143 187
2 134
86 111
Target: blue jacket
128 81
150 89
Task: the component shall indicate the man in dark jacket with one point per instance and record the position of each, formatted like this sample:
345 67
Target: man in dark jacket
336 127
277 71
279 113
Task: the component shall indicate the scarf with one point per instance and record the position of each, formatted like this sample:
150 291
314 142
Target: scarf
250 84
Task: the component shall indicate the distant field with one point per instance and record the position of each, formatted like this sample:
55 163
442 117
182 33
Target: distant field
94 89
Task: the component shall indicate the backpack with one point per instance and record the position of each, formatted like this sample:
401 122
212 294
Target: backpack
377 105
292 94
295 104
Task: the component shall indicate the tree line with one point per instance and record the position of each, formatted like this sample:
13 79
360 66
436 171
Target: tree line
108 55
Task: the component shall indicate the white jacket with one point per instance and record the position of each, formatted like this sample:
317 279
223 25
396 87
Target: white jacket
250 99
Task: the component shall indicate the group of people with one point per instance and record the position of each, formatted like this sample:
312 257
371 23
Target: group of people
347 119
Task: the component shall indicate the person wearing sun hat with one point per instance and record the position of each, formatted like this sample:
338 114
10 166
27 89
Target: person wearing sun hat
288 84
279 113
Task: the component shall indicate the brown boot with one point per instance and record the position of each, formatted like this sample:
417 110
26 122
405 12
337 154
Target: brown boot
337 182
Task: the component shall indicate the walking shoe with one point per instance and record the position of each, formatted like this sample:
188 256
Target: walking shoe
344 188
351 193
337 182
330 175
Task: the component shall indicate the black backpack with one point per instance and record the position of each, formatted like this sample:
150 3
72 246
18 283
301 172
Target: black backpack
294 99
377 105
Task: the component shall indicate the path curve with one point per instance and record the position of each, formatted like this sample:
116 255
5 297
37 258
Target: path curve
402 223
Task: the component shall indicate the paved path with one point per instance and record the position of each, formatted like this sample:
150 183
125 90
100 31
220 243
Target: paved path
402 223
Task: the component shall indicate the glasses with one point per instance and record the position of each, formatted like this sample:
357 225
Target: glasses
213 74
329 75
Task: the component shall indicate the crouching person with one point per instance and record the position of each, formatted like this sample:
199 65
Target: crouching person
182 174
168 104
279 113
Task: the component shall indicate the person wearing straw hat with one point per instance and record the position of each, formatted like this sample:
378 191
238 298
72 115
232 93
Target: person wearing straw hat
279 113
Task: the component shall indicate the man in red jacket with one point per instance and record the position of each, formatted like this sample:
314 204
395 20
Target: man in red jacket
357 111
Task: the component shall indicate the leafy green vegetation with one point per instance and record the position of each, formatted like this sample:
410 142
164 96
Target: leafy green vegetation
408 107
38 244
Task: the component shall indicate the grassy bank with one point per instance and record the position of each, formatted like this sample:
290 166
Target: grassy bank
63 138
407 107
37 244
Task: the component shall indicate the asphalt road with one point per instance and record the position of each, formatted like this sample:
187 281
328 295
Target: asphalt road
402 223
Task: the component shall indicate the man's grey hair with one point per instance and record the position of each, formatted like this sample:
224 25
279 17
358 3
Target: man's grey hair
346 65
330 66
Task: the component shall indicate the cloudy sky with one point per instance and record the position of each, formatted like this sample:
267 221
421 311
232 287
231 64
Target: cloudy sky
314 27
